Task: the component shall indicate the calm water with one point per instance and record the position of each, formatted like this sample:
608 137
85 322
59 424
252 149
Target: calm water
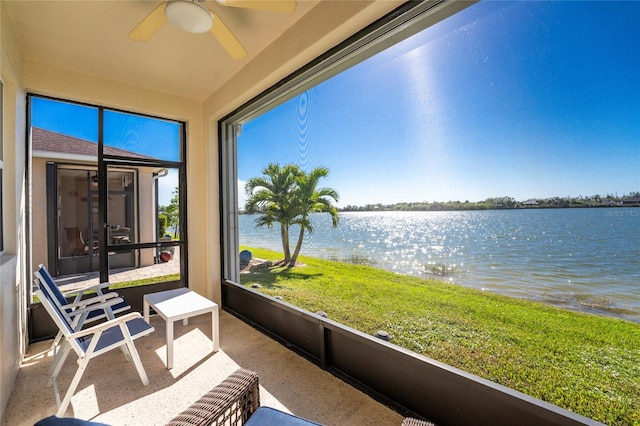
586 259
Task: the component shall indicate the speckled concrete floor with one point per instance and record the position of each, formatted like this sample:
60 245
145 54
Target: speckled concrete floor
111 392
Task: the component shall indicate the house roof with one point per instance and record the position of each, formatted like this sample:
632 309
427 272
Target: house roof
47 141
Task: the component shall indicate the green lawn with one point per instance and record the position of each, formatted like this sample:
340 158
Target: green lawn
585 363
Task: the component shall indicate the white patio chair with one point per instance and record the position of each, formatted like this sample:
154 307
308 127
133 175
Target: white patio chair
81 311
91 342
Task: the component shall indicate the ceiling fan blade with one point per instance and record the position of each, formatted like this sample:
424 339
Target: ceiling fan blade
226 38
149 25
274 5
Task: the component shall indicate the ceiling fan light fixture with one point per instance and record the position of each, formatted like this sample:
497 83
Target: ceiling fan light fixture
189 16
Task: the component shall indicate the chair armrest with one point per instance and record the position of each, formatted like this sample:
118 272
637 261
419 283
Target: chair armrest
98 304
105 325
94 287
231 403
93 300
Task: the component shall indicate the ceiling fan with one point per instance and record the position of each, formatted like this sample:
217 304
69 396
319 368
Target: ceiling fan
192 17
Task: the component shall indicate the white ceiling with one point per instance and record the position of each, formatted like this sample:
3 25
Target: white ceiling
90 36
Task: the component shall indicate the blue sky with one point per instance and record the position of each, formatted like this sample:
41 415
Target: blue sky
148 136
143 135
521 99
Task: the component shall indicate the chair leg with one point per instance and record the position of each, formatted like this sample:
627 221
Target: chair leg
55 348
56 391
58 362
82 365
126 353
56 342
57 353
135 357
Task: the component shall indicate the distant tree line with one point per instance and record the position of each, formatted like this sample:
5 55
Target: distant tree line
497 203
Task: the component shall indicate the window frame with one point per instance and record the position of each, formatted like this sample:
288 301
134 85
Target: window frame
334 347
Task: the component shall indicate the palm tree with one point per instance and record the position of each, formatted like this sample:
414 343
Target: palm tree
309 199
272 196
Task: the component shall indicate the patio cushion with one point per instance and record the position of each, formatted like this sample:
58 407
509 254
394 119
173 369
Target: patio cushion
66 421
267 416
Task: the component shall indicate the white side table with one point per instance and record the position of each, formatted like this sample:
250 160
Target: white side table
180 304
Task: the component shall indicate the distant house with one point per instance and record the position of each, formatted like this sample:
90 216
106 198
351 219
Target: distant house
530 203
631 201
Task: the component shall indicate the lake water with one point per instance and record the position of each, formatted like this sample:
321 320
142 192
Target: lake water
586 259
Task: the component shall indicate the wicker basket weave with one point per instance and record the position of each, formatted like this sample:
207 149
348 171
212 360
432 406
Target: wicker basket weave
410 421
231 403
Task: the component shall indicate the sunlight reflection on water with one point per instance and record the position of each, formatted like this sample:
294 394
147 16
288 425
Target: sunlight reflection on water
576 258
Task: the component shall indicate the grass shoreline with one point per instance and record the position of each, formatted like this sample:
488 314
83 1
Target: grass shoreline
586 363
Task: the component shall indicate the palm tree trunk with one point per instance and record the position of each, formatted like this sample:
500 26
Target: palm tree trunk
292 263
284 234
